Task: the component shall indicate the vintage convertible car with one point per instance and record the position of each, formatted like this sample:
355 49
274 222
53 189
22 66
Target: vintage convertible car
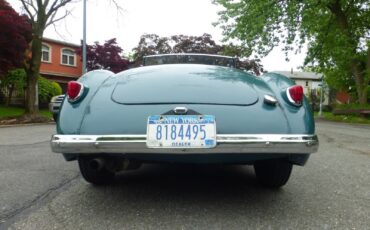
187 108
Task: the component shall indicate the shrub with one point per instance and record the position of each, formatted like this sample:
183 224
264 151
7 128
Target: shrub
48 89
57 89
16 80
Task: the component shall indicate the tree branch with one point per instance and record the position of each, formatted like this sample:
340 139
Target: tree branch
119 8
56 6
340 16
32 5
27 10
52 20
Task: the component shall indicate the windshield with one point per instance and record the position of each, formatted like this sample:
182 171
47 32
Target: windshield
189 59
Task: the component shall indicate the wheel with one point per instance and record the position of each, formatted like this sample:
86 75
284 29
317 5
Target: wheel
94 171
273 173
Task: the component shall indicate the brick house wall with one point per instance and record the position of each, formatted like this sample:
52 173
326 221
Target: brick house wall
60 62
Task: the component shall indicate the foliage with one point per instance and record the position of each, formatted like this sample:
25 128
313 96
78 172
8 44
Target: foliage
336 31
16 80
151 44
41 15
48 89
57 88
195 44
15 34
106 56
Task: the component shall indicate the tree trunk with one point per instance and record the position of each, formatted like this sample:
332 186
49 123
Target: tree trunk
361 84
33 70
360 74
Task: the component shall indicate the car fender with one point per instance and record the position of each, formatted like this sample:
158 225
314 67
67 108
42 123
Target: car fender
71 114
300 117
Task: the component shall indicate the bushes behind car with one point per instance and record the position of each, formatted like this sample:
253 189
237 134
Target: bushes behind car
14 83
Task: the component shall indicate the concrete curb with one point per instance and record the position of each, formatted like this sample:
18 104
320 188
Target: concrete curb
27 124
321 119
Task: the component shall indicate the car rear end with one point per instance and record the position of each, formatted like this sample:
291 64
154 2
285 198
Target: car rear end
186 113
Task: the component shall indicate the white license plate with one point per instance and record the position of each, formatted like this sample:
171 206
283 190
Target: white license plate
181 131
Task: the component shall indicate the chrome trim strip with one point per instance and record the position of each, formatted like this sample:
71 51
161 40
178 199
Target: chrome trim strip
226 143
268 99
180 110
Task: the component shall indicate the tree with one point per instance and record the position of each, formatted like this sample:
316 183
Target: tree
253 65
14 38
336 31
151 44
106 56
41 13
14 80
195 44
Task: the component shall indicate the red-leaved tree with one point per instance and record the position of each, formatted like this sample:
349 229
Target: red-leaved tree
151 44
106 56
15 35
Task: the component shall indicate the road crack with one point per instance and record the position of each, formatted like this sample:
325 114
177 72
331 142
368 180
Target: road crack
35 143
6 218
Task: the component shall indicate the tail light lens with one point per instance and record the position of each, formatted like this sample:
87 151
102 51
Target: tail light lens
295 94
74 91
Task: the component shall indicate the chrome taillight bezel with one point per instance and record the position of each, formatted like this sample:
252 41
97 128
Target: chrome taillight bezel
290 99
79 95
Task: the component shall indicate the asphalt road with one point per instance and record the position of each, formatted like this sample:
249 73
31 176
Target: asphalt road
39 190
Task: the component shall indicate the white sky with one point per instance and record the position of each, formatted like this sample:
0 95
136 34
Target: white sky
162 17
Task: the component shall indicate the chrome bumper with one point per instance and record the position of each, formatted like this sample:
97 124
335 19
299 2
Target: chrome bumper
226 143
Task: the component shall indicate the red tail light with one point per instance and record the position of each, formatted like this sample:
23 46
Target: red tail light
295 94
74 90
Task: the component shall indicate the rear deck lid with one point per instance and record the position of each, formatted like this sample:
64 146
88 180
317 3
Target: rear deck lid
185 84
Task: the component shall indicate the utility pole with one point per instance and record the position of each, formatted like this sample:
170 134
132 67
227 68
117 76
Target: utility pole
84 39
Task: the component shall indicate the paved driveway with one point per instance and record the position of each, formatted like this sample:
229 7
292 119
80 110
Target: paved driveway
39 190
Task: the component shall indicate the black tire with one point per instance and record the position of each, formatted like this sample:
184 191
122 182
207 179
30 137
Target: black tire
273 173
92 175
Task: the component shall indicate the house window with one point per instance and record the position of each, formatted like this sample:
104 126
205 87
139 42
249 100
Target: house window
68 57
306 83
45 53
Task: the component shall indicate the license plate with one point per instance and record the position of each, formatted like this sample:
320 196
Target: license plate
181 131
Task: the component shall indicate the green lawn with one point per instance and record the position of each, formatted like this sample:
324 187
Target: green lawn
344 118
11 111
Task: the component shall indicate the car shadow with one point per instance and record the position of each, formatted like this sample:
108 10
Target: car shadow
180 196
191 182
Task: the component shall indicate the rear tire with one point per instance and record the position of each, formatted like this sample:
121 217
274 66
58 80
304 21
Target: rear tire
273 173
92 175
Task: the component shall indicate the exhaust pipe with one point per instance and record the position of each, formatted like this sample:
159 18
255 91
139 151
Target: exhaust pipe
97 164
113 165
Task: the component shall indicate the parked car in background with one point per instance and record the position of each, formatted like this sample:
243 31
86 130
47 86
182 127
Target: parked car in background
188 108
55 104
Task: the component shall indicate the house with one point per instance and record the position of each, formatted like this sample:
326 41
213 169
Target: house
60 62
308 80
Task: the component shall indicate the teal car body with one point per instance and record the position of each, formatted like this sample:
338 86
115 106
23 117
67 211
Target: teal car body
116 107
